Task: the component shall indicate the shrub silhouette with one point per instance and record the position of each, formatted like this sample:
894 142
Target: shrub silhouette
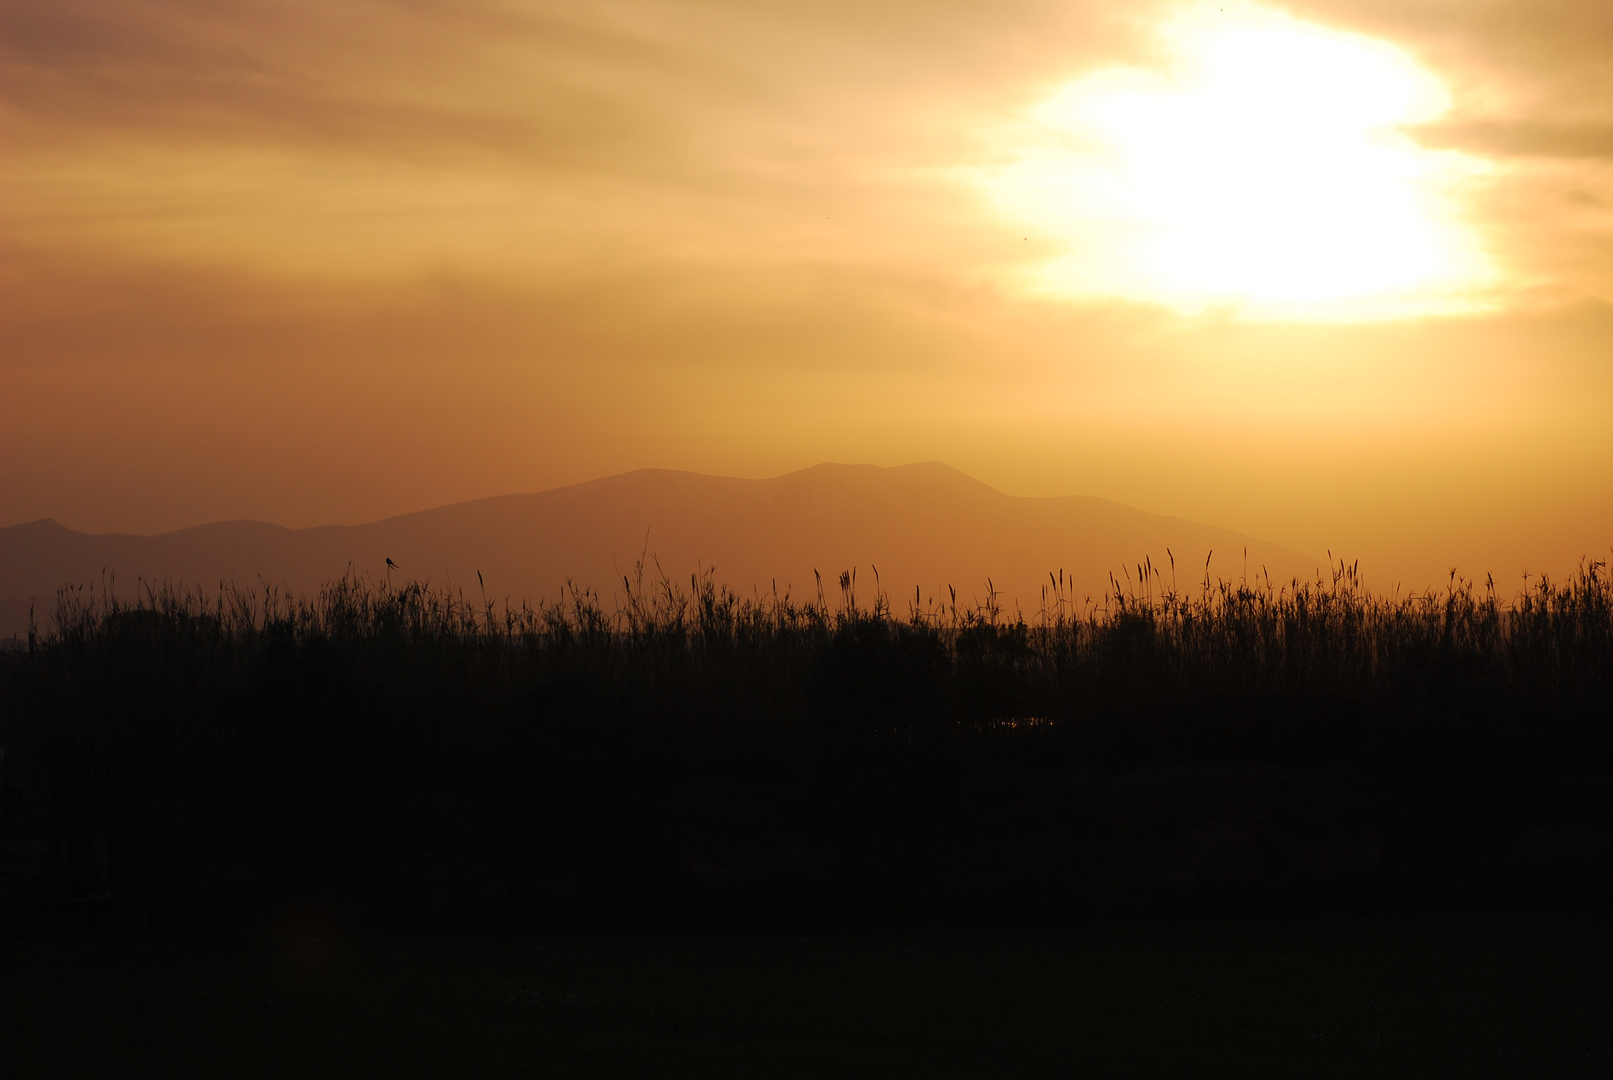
694 757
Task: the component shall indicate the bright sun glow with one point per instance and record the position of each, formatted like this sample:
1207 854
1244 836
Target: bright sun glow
1262 165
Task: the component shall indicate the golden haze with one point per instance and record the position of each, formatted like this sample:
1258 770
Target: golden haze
328 262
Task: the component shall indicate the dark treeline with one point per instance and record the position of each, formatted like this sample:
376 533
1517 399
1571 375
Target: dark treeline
696 758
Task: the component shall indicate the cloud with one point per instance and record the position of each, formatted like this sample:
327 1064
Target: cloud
410 79
1521 139
521 142
384 139
588 83
1527 61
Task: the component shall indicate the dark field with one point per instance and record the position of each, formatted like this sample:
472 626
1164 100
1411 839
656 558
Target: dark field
1465 996
1300 831
698 761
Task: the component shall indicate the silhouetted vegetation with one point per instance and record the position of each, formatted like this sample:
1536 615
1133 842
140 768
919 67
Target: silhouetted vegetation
693 757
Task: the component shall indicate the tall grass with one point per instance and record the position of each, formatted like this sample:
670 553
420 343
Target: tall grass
1546 646
688 750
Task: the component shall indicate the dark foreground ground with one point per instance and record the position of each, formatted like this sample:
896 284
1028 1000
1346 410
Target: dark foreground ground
1295 833
1459 996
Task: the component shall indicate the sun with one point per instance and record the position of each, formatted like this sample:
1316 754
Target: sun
1263 164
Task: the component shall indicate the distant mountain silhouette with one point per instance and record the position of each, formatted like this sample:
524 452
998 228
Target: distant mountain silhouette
925 525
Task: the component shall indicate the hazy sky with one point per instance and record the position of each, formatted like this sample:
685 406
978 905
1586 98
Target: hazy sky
1338 274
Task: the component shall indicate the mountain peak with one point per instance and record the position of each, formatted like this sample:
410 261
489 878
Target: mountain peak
925 525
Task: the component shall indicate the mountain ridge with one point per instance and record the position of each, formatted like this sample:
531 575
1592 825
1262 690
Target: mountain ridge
925 526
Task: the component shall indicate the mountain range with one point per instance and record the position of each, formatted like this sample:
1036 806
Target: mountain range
924 526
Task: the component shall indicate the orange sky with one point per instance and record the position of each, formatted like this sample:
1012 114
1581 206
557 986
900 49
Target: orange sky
324 262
